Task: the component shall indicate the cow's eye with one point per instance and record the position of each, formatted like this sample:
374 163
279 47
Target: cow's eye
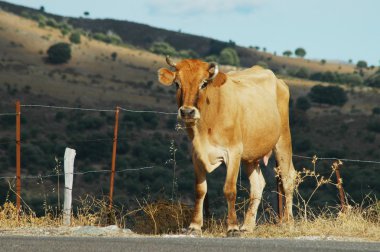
203 85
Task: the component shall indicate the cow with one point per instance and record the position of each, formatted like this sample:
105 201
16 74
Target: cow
233 118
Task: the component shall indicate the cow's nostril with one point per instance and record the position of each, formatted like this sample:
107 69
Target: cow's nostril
187 112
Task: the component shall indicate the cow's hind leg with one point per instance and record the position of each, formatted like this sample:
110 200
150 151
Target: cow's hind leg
257 183
196 224
283 153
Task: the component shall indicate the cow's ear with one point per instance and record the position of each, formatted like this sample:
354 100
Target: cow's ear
165 76
219 80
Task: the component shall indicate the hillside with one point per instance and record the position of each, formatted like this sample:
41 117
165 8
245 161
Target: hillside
92 79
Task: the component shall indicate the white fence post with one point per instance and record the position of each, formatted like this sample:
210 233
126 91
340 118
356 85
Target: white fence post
69 173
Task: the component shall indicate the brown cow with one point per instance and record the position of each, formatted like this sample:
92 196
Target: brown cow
233 117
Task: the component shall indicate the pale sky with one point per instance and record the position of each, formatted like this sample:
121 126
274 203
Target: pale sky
327 29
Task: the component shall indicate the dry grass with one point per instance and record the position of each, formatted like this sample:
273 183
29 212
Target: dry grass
166 217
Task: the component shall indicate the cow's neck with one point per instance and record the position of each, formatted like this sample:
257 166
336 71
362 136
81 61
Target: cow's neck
205 146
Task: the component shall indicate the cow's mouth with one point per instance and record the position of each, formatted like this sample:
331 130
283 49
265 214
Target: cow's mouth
189 120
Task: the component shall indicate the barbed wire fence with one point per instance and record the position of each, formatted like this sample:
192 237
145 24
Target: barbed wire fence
115 139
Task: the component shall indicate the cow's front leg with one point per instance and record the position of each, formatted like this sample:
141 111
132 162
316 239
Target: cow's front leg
230 194
200 193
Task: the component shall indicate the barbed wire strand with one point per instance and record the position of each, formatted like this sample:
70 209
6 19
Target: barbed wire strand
68 108
147 111
80 173
341 159
9 114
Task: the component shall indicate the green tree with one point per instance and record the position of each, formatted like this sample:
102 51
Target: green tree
323 61
332 95
229 56
361 64
163 48
300 52
75 37
59 53
287 53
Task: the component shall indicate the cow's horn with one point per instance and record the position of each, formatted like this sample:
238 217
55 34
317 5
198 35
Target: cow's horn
169 61
216 70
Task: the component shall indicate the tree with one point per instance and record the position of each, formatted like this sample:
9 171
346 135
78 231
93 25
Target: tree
42 9
323 61
59 53
75 37
300 52
361 64
332 95
287 53
86 13
229 56
303 103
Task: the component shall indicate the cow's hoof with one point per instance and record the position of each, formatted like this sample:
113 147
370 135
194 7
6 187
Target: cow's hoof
233 233
192 232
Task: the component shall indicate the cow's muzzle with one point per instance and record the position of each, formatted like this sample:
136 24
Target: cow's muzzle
188 114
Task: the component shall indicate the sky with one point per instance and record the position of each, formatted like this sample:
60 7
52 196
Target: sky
327 29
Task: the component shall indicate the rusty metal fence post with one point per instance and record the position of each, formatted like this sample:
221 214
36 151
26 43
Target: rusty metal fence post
114 148
18 157
340 187
280 199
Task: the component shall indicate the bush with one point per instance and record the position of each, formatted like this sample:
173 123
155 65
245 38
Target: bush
287 53
373 80
109 38
229 56
374 125
302 73
188 54
332 95
303 103
261 63
114 56
163 48
376 111
75 37
59 53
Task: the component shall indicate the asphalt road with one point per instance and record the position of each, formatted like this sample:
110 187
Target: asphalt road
157 244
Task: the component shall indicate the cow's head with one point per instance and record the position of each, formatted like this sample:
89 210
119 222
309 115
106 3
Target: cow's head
192 79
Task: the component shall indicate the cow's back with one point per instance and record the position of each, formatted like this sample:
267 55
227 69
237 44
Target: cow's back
255 92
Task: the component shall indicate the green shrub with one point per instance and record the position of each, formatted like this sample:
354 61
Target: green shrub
163 48
303 103
59 53
374 125
302 73
229 56
211 58
188 54
376 111
332 95
114 56
75 37
373 80
261 63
